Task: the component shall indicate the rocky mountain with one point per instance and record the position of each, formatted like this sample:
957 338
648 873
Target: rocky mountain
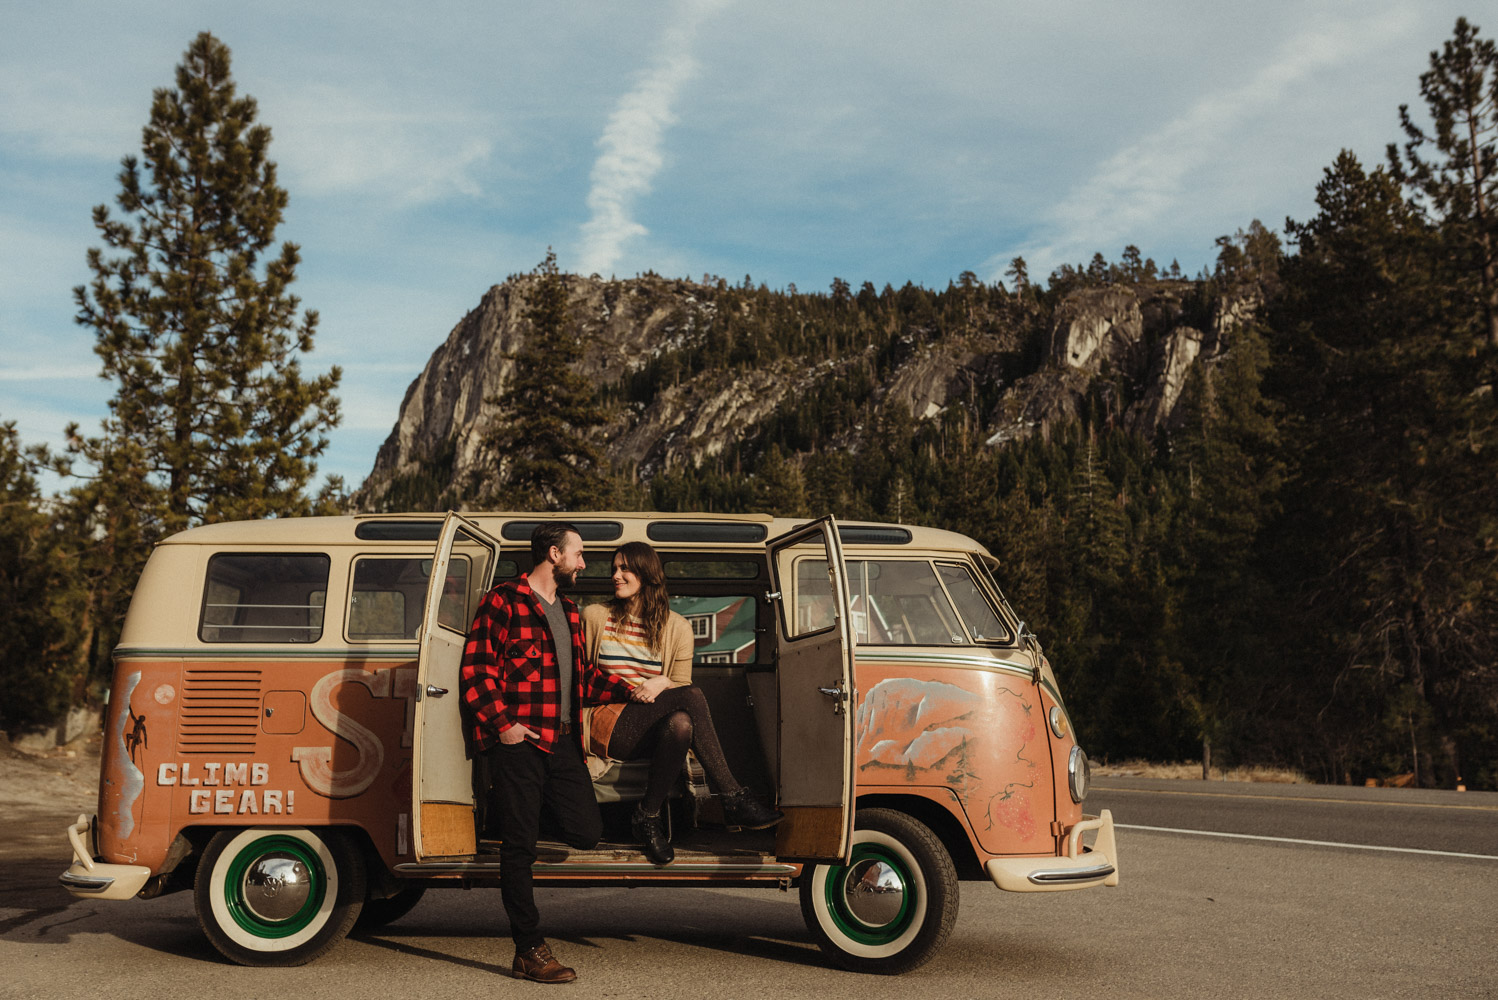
693 372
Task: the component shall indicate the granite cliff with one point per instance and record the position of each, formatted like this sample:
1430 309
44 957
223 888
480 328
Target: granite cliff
694 372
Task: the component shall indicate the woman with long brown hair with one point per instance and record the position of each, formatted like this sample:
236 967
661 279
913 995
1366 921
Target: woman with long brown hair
638 637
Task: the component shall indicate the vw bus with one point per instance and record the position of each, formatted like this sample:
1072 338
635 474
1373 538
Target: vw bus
283 735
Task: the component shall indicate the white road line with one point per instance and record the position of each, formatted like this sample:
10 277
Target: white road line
1313 843
1110 789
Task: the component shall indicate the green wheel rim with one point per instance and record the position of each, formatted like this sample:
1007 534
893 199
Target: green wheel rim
234 887
837 899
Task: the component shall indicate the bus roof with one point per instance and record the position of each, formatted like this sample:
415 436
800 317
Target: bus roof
599 528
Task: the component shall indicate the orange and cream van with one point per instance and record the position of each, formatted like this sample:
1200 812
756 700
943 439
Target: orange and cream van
283 736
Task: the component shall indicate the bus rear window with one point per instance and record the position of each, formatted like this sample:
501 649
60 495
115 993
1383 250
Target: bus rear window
722 627
264 598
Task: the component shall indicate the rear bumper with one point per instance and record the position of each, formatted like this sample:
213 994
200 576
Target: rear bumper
1080 868
95 879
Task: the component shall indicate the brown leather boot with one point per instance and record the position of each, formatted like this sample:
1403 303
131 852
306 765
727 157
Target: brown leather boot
539 965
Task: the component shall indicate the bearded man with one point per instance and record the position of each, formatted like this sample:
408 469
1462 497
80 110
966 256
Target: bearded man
524 676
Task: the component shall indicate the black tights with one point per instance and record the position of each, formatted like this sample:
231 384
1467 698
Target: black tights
676 720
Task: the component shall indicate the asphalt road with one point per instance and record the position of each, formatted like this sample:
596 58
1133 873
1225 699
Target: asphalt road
1412 819
1196 916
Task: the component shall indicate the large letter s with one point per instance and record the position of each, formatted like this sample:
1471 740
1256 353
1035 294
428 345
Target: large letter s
316 763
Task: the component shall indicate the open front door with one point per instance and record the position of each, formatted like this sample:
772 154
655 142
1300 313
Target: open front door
442 776
814 670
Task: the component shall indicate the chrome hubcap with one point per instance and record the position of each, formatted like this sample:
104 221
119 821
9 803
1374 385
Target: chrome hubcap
276 886
874 892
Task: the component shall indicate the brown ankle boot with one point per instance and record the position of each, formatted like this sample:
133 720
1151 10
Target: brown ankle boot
539 965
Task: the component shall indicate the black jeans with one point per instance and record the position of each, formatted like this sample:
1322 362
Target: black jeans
526 780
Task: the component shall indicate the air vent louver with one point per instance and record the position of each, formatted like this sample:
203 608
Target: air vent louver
220 711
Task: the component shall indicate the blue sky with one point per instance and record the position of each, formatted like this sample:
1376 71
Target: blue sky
432 151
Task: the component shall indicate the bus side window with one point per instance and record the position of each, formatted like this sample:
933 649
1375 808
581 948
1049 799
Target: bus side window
387 594
815 607
264 597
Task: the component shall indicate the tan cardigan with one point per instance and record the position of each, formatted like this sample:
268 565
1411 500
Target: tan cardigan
598 720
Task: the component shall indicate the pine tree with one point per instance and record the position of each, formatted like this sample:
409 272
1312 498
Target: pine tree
1225 478
1023 537
41 594
212 418
780 485
1461 190
546 461
195 321
1391 543
1096 528
1018 274
1132 268
842 294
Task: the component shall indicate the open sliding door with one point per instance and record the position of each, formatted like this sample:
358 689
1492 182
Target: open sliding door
442 776
814 670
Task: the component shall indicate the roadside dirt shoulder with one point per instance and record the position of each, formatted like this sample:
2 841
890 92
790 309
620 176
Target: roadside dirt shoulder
40 794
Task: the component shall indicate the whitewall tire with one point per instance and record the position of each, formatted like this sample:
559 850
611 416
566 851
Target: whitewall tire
893 906
278 895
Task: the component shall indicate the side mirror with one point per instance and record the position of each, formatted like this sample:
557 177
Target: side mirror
1026 637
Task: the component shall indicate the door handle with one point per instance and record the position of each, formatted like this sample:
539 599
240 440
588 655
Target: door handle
838 695
433 691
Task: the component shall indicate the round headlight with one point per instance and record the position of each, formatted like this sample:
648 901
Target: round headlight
1079 771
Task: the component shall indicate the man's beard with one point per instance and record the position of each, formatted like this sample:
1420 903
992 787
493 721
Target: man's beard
564 581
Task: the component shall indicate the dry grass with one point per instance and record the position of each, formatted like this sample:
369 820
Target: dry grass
1193 770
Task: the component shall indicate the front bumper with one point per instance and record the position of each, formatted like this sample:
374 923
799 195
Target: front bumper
1080 868
95 879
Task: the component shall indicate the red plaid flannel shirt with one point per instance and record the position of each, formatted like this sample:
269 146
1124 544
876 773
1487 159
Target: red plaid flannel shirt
509 673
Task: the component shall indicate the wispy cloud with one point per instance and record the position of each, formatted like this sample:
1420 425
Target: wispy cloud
57 114
1140 184
630 148
333 140
49 373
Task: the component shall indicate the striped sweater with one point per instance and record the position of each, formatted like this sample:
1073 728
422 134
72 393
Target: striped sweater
624 652
619 647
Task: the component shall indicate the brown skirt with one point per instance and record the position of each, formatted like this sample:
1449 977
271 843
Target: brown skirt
601 727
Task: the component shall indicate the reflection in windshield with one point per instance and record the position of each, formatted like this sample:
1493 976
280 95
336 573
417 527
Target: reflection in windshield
900 602
982 621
